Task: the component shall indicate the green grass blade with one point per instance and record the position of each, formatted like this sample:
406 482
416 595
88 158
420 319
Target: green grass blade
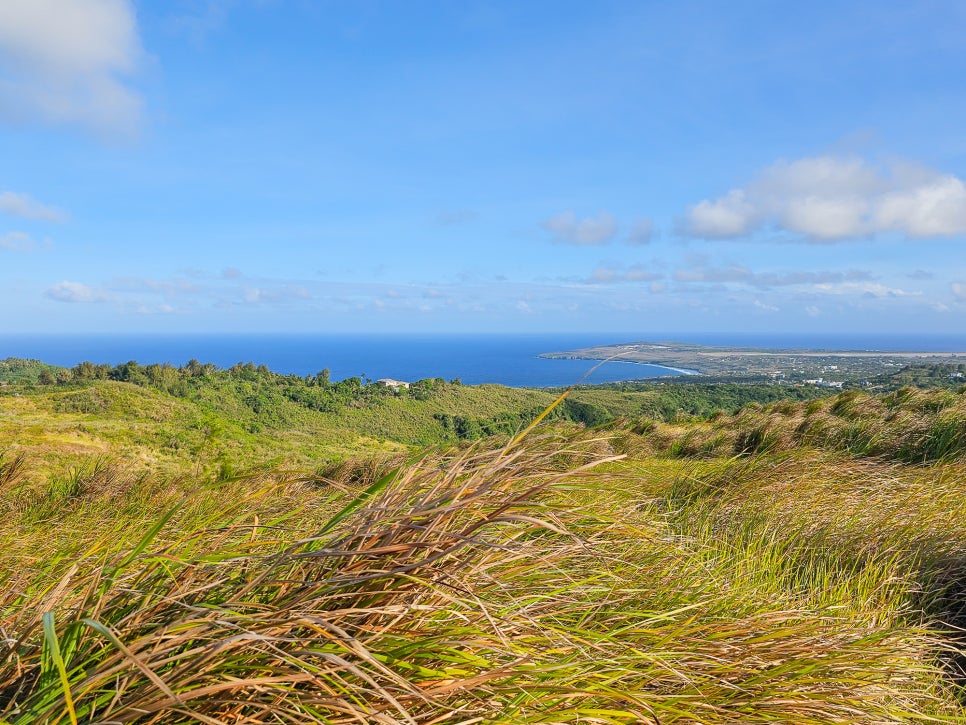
50 639
358 501
147 538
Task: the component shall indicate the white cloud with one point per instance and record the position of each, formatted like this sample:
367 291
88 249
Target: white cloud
828 199
813 311
23 206
766 307
63 62
959 290
567 228
937 208
825 219
76 292
730 216
641 232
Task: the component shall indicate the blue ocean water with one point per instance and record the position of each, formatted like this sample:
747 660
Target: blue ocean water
505 359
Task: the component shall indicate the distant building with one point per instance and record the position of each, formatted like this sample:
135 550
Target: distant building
394 384
820 383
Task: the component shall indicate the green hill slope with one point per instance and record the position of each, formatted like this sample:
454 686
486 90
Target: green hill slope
198 418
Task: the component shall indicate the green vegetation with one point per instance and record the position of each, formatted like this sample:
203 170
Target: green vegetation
922 376
909 425
798 561
16 370
162 419
677 398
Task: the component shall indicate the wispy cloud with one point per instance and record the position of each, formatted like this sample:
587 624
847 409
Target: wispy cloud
610 274
19 242
738 274
67 291
830 199
205 20
765 306
281 293
567 228
140 294
25 207
611 298
641 231
865 289
174 286
452 217
65 62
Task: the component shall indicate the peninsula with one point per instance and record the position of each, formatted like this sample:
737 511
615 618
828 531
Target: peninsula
791 365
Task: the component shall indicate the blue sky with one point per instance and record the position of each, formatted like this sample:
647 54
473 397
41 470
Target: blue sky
299 165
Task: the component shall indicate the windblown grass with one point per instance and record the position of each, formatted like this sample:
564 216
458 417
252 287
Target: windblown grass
910 425
574 576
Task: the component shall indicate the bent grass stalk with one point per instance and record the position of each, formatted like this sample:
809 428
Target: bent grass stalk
539 419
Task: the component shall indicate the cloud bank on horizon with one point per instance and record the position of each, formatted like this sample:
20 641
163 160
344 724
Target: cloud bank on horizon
202 165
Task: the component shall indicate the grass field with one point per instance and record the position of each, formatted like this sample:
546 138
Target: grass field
796 562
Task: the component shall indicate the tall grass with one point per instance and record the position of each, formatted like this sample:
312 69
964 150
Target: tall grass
371 618
913 426
476 586
552 579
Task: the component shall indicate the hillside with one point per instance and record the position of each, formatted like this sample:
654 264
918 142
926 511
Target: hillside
789 561
161 419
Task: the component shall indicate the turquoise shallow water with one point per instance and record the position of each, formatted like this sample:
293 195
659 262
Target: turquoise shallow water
505 359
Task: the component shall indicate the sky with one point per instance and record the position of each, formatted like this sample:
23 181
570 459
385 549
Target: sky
482 166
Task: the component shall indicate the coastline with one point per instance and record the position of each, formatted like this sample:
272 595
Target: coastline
814 365
510 360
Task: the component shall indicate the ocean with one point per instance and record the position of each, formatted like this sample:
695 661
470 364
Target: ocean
505 359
